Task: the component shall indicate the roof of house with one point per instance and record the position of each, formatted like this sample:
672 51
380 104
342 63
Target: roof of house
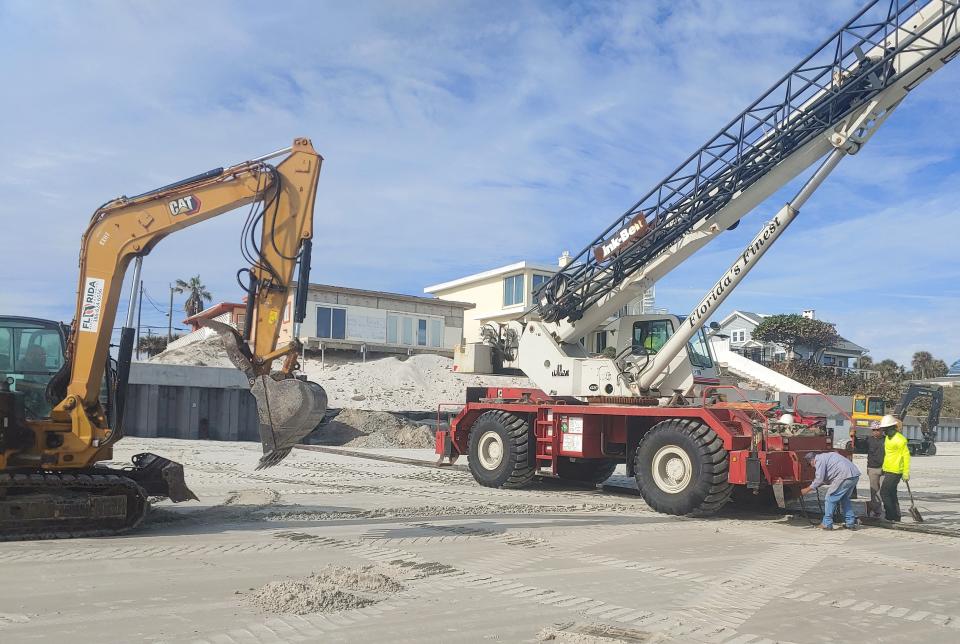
756 318
213 311
846 345
493 272
391 296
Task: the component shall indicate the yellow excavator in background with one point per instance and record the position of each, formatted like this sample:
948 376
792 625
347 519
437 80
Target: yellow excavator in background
55 429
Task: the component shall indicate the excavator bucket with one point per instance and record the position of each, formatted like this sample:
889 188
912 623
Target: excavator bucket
160 476
289 408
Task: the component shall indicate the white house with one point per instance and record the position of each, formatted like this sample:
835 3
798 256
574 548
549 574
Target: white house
739 327
498 295
344 318
504 293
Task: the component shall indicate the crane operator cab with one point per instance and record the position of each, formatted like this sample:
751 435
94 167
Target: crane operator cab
638 338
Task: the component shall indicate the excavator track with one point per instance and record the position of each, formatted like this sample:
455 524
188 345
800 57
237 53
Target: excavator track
64 506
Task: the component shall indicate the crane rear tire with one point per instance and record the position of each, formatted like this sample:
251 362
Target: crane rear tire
682 468
501 450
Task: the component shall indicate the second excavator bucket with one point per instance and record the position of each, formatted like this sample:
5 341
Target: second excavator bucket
288 408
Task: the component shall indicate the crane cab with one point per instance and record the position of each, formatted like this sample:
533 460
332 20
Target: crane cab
639 337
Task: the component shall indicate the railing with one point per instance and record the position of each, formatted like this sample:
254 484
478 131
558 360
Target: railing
866 374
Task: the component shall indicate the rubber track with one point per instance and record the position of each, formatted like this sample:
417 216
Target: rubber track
714 458
518 430
54 483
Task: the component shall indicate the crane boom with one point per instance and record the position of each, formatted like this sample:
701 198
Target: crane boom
835 99
880 55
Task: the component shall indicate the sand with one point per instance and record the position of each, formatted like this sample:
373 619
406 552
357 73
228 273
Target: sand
415 383
372 429
332 589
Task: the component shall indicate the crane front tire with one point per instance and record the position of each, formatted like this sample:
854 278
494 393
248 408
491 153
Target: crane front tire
682 468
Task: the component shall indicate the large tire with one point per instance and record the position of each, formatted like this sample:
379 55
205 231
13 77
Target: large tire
682 467
588 470
501 450
931 449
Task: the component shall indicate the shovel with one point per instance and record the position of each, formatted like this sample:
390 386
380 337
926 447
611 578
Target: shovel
914 512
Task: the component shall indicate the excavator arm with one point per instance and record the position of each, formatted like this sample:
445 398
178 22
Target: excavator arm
914 391
126 229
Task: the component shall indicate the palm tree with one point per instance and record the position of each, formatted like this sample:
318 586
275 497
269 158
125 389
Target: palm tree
198 294
921 363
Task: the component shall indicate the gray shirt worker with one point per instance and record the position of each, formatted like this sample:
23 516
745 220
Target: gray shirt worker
834 469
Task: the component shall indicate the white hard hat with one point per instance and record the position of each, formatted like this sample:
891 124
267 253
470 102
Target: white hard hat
889 421
787 419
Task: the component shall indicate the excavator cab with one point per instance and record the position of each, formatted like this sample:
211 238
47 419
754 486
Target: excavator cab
31 354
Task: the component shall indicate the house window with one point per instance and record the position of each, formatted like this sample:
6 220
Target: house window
422 332
513 290
331 323
539 280
436 333
240 320
392 323
829 361
738 335
601 341
407 330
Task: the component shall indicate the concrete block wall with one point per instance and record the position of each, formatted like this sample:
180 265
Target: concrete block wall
173 401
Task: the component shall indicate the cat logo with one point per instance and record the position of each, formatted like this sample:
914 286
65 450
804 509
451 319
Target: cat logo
184 205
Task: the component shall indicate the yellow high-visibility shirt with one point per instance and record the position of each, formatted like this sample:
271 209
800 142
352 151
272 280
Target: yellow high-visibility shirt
896 458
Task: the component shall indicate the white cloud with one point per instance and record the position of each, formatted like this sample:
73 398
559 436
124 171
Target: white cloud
457 136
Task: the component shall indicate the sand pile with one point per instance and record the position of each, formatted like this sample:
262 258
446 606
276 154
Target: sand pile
373 429
415 383
332 589
201 353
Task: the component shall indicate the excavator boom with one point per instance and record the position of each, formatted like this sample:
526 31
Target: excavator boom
50 455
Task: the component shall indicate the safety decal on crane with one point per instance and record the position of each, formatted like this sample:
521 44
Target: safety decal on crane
90 309
184 205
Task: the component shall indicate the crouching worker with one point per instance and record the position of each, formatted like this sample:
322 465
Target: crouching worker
842 476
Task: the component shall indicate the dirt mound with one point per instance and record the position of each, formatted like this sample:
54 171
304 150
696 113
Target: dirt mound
415 383
326 591
374 429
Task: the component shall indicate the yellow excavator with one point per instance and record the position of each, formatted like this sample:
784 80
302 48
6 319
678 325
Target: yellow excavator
58 422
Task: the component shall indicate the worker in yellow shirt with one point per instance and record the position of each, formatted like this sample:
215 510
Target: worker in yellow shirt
896 465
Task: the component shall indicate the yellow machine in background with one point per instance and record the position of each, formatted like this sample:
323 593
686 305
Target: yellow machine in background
867 409
54 428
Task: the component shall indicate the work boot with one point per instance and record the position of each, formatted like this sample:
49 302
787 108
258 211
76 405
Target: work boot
824 527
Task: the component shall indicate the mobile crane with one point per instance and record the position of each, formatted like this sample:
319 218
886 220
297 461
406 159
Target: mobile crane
55 431
652 407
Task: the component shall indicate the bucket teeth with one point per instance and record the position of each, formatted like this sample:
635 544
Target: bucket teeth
272 457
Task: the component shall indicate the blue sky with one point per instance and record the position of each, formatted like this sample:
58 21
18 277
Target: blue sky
459 137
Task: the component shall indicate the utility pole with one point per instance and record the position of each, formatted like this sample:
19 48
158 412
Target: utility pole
139 312
170 317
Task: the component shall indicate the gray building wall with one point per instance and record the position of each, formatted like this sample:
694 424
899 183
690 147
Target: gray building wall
172 401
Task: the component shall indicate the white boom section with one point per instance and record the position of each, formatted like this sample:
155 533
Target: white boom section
550 353
740 268
791 167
